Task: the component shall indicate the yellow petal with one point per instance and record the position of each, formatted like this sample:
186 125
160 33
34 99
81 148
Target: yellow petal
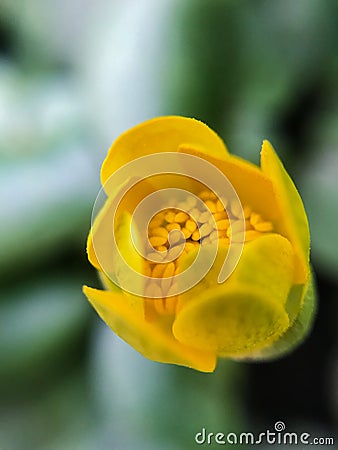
247 311
98 229
100 239
163 134
305 299
252 186
238 323
115 253
101 230
267 263
295 222
154 340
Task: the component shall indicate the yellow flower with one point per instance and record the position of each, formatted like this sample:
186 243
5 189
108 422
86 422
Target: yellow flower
263 305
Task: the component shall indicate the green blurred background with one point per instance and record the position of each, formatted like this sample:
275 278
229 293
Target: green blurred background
74 75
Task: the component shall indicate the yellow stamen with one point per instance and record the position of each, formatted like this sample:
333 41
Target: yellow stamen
211 206
181 228
166 277
159 231
236 208
219 206
159 304
246 211
205 230
158 271
174 252
155 241
153 290
173 226
190 225
157 220
204 217
220 215
263 226
161 248
186 233
206 241
205 195
170 216
172 290
191 202
175 237
195 236
154 256
223 224
189 246
255 218
236 227
181 217
195 214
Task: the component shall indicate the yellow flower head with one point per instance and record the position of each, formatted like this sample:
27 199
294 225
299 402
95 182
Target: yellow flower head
201 253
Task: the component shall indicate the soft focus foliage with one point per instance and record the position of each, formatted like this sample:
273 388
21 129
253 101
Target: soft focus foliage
75 74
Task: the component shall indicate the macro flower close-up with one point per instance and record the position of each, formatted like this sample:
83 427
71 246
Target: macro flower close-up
168 196
240 228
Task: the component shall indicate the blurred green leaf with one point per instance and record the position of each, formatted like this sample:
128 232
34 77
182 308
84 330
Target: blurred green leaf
59 416
318 184
38 322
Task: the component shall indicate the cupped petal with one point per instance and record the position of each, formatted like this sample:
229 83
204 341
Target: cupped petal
252 186
248 311
111 248
163 134
99 242
295 224
102 223
121 199
98 225
234 324
301 325
267 264
154 340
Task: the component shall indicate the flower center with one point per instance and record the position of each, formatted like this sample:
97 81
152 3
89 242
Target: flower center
176 231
